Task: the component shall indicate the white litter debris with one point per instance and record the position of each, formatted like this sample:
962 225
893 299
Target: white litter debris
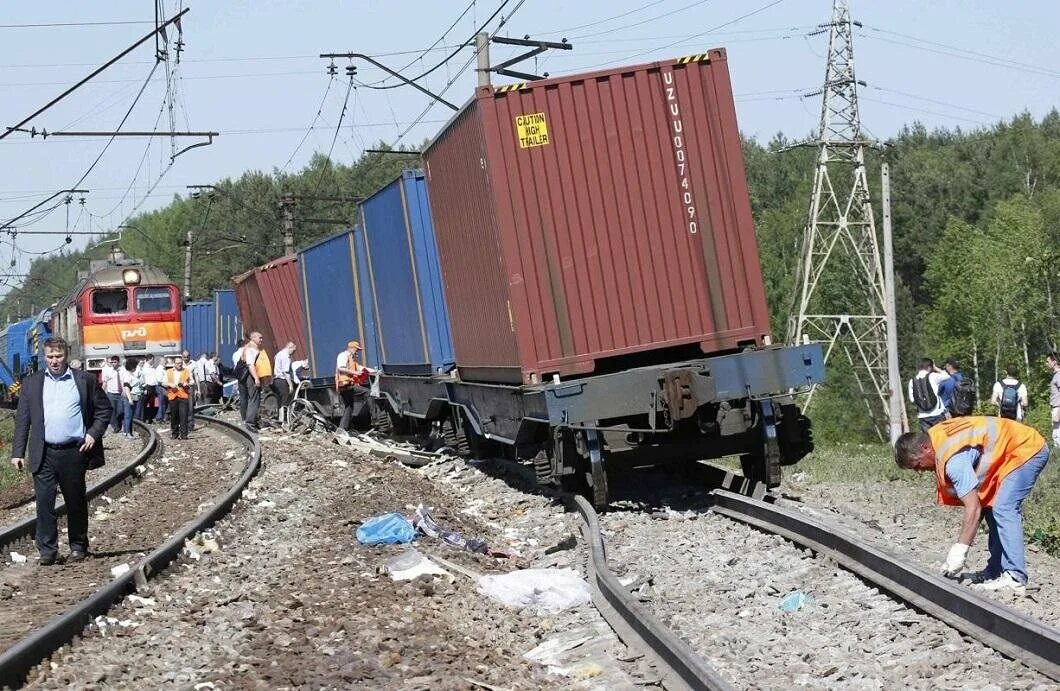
120 570
547 591
266 504
142 601
18 558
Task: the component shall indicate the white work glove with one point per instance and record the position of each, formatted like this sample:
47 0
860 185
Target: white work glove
955 559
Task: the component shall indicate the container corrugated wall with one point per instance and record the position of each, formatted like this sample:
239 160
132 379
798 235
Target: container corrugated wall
364 292
331 300
599 215
252 310
228 325
280 283
407 293
198 328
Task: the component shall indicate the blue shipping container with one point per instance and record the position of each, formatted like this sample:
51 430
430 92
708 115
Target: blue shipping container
21 344
228 327
331 301
198 328
405 278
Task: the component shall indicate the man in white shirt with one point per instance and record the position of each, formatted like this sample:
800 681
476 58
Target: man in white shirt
198 375
111 382
160 391
282 379
1053 362
151 382
924 394
1010 395
212 378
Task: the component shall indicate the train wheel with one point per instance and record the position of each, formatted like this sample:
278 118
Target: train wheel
454 435
301 418
380 418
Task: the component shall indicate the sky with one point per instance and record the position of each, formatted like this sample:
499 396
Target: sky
250 70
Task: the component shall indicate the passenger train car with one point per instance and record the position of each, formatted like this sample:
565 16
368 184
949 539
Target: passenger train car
119 306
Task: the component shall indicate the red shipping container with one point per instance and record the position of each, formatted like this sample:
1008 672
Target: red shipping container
584 218
270 301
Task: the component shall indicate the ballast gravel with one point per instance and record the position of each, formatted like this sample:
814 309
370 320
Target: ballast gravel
285 597
726 588
903 518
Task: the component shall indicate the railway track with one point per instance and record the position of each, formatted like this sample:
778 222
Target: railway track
1030 642
182 491
1014 634
19 530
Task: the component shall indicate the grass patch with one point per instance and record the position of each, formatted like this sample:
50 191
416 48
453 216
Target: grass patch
8 475
868 463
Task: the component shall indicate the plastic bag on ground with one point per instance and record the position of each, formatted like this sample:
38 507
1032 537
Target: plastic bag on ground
388 529
547 591
795 601
412 564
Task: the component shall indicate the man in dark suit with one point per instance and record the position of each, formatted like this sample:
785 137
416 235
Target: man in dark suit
62 415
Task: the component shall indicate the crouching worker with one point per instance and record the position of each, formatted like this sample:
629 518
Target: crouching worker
987 465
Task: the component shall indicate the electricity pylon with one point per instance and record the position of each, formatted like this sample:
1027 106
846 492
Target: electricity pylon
839 242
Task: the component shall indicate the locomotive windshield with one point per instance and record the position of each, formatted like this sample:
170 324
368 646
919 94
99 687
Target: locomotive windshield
153 300
110 301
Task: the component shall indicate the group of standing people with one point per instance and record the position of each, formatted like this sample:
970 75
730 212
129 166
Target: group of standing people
254 370
939 394
147 388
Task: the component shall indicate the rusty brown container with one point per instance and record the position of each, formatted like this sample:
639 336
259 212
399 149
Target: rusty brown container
596 222
269 298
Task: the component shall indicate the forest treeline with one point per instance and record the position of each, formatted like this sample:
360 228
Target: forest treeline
976 235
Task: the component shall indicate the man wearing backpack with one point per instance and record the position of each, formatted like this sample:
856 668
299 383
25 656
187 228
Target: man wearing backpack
1010 396
948 386
924 394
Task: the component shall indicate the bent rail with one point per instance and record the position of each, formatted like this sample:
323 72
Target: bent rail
636 626
19 659
1011 633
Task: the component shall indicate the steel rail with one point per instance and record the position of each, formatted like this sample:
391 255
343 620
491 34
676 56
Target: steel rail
1013 634
27 527
637 627
17 661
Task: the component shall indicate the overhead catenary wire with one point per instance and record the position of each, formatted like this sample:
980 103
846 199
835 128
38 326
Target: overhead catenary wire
469 42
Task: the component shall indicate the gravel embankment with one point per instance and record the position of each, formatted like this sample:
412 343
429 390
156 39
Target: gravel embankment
903 518
290 599
721 584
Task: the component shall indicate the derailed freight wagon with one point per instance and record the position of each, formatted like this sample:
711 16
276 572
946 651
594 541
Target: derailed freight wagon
401 280
334 302
603 280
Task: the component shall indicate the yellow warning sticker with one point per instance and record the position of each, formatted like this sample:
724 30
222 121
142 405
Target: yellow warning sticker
532 130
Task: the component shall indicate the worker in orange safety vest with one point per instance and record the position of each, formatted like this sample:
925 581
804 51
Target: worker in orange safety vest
177 383
988 465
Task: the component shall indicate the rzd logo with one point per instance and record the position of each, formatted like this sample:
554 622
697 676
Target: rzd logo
129 334
680 153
